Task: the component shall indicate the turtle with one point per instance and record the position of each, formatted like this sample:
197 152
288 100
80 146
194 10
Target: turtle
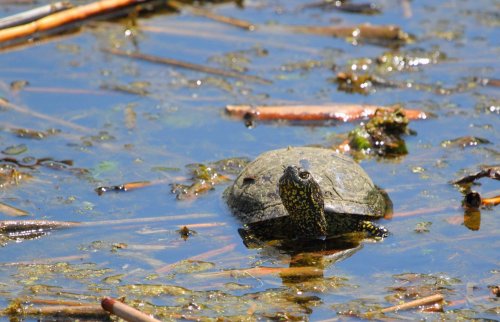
307 193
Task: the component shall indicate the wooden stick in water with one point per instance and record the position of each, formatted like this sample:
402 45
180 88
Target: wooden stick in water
202 256
416 303
63 18
52 119
33 14
124 311
341 112
63 310
210 15
187 65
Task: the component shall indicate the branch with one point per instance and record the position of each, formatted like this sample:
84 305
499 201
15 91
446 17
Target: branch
341 112
62 18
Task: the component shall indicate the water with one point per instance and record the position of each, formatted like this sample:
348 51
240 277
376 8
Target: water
178 122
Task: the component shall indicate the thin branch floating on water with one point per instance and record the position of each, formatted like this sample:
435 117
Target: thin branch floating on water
17 309
33 14
263 271
202 256
341 112
124 311
416 303
7 226
63 18
210 15
187 65
362 31
12 211
24 110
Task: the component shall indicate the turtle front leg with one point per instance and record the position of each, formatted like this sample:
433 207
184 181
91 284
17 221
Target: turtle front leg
373 229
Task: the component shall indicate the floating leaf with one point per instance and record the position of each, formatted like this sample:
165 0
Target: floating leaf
15 149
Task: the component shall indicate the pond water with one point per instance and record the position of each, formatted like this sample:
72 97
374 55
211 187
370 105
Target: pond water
125 120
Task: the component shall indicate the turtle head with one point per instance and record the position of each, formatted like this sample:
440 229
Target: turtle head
302 197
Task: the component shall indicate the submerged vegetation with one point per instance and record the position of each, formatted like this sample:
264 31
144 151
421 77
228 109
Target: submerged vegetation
112 112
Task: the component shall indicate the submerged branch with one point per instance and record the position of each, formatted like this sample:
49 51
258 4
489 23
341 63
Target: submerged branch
308 271
210 15
187 65
20 109
362 31
199 257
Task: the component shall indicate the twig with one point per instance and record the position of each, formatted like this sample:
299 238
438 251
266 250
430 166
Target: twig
33 14
124 311
62 18
187 65
60 310
55 302
203 256
416 303
416 212
146 219
343 112
263 271
21 225
210 15
12 211
364 31
491 201
20 109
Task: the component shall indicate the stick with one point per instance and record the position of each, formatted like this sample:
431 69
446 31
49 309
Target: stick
64 310
62 18
210 15
146 219
4 103
33 14
21 225
263 271
203 256
187 65
124 311
12 211
491 201
343 112
416 303
364 31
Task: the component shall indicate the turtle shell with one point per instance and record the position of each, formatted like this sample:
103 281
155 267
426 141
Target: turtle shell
346 187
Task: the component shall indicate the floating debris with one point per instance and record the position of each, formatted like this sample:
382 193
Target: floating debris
382 135
492 172
396 61
185 232
206 177
123 187
361 84
423 227
33 134
464 141
15 149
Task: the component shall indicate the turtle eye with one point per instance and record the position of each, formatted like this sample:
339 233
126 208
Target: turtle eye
304 175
